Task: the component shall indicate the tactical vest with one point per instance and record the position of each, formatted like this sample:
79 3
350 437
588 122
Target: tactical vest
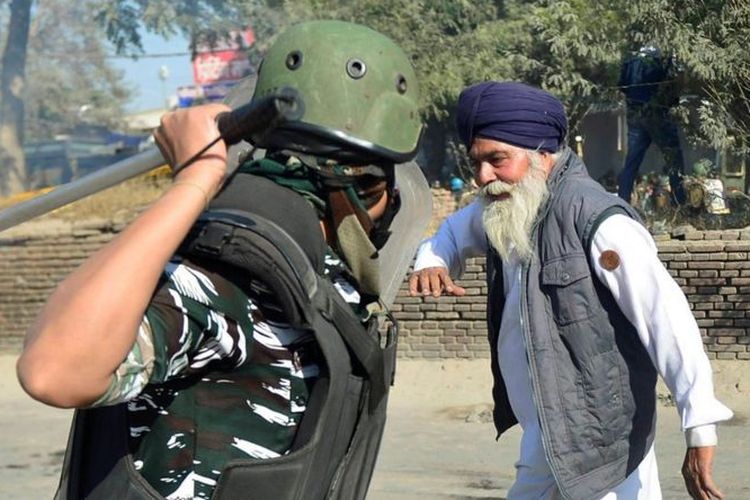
334 452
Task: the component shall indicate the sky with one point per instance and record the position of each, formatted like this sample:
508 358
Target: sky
149 91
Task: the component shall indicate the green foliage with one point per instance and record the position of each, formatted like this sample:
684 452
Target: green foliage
123 20
572 48
69 78
709 38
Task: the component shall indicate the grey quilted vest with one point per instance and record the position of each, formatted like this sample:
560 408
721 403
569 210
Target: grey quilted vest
593 381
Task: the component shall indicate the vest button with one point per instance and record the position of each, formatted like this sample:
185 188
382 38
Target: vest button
565 276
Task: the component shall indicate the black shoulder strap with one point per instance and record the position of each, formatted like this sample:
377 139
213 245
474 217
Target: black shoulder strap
262 250
588 234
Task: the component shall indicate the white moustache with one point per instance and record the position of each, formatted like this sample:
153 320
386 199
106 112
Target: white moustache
496 188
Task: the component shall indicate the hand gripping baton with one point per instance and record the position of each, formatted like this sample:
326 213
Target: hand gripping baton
248 122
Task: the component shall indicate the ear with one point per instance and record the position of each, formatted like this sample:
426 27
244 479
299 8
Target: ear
548 160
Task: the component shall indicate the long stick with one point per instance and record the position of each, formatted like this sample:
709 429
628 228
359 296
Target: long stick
92 183
247 122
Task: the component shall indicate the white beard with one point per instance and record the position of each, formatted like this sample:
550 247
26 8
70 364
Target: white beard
508 222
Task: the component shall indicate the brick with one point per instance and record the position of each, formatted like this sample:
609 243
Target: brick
443 299
698 304
726 340
455 347
727 332
710 273
443 314
738 247
473 315
681 257
729 273
726 356
671 247
707 281
724 306
453 333
737 265
408 315
712 235
427 333
706 265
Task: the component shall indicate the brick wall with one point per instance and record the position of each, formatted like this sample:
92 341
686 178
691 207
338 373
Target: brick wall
33 259
712 268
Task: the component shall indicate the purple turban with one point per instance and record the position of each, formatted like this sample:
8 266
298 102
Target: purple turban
511 112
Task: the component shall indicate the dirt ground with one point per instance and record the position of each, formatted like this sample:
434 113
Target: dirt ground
438 443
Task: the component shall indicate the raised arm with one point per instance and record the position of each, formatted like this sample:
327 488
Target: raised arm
90 321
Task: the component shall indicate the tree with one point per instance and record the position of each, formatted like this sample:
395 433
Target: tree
70 78
12 83
53 67
709 38
572 48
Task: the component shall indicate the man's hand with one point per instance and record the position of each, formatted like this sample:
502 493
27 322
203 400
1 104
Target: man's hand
182 134
433 281
696 470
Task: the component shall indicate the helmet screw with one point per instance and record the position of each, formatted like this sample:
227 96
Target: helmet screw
356 68
401 84
294 60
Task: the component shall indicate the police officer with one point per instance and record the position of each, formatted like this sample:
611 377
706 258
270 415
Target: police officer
206 368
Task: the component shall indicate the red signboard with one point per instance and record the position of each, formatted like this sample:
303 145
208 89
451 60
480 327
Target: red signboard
225 65
237 40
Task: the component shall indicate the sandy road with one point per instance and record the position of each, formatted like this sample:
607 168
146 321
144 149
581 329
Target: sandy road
438 442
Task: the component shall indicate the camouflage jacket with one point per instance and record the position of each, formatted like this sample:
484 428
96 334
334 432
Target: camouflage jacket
215 375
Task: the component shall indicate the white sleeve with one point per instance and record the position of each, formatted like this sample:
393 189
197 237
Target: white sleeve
460 236
655 305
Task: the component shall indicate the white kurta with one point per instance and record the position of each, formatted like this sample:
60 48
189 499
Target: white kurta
652 302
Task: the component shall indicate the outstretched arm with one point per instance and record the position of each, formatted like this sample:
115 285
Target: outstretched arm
442 257
90 321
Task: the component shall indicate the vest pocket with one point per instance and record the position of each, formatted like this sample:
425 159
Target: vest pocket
603 394
566 281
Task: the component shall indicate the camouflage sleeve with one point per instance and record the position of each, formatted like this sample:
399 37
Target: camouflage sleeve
134 372
195 318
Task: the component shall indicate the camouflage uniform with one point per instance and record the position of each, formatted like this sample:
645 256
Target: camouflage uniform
215 374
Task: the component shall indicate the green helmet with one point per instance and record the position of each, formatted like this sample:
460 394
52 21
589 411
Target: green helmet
358 89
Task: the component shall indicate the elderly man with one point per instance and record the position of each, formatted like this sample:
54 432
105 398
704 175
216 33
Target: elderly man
582 314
